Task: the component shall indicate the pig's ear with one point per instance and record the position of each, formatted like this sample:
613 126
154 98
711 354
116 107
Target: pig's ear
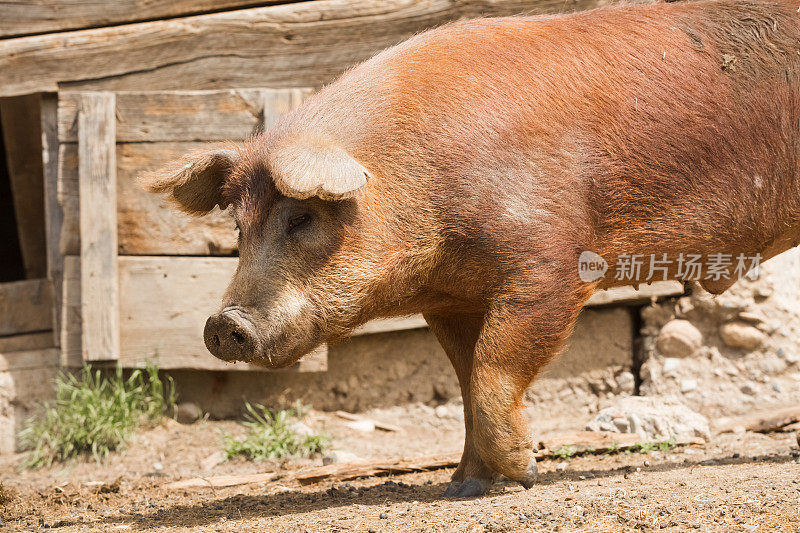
305 170
195 182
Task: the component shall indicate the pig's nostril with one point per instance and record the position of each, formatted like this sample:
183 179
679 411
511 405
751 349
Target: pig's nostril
215 339
238 337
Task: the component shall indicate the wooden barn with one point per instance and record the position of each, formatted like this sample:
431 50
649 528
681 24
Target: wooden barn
93 269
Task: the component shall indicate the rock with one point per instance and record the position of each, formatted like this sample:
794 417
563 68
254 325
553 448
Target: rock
626 383
340 456
365 426
670 364
752 317
748 388
741 335
188 412
653 418
688 385
776 386
679 338
561 466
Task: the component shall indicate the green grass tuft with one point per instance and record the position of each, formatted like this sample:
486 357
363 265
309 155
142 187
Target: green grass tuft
270 436
95 414
564 452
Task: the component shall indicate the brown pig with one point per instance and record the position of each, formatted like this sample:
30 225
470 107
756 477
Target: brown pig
462 173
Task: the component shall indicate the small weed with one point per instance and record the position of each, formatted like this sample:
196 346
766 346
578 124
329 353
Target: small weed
644 447
564 452
666 445
95 414
270 435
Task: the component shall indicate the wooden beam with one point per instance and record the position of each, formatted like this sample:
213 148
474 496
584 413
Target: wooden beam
28 341
28 359
164 303
636 295
97 170
26 17
305 44
175 116
23 142
53 214
25 307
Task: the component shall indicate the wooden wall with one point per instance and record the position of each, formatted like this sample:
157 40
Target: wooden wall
305 44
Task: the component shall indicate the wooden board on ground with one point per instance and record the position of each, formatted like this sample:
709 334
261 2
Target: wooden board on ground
23 146
97 170
26 17
762 421
216 482
25 307
579 442
303 44
163 305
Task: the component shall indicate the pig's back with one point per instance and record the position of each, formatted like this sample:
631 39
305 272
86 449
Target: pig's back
653 125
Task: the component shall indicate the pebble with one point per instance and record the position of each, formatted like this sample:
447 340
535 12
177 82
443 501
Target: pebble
679 338
688 385
383 516
188 412
741 335
561 466
748 388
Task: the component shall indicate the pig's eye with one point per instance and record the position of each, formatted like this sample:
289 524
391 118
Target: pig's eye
297 221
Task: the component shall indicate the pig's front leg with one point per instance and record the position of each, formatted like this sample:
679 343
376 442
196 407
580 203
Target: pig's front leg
458 336
517 339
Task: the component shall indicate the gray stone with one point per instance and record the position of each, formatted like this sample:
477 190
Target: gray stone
187 413
741 335
653 418
749 388
679 338
339 456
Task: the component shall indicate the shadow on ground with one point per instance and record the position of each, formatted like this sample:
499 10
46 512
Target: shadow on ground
244 507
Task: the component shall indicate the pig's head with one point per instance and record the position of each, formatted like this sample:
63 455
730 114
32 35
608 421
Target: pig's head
300 226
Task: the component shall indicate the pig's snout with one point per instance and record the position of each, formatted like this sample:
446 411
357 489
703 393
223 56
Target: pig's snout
230 336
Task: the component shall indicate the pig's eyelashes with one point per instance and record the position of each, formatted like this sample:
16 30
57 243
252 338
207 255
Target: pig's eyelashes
297 221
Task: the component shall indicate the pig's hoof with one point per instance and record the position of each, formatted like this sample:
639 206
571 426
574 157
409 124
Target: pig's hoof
530 474
469 488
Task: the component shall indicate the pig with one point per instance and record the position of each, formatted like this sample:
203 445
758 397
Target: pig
462 173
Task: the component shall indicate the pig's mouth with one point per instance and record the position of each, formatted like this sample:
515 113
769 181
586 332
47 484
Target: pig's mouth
233 335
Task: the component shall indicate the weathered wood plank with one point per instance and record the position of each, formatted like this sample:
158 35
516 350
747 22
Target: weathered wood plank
305 44
26 342
26 17
20 124
147 223
630 295
164 303
171 116
384 325
28 359
97 170
53 214
25 307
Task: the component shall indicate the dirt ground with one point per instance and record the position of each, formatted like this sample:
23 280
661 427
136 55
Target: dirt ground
749 482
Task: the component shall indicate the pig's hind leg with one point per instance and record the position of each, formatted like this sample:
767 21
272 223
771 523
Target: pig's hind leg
458 336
